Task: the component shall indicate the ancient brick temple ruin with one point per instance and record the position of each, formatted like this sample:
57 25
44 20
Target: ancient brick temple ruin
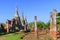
16 23
53 30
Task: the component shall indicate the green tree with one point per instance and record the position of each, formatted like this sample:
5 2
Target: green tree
30 24
48 24
58 19
39 24
2 24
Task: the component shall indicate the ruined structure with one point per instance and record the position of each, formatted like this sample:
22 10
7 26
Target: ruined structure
35 26
53 31
16 23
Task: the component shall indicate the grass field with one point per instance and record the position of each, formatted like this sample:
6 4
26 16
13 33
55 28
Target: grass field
11 36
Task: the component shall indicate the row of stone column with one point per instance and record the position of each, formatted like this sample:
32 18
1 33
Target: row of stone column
53 29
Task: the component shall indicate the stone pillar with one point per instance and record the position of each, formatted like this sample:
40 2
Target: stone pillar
36 30
7 25
12 25
35 20
53 24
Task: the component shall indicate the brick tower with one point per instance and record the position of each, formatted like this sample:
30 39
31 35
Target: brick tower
53 24
35 20
35 24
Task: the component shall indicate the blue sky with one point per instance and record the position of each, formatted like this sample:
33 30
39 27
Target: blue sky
31 8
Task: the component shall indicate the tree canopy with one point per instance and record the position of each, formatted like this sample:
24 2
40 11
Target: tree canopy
41 24
58 19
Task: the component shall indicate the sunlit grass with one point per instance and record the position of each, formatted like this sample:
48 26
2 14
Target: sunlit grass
11 36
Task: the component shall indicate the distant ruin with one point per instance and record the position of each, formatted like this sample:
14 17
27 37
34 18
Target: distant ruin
16 23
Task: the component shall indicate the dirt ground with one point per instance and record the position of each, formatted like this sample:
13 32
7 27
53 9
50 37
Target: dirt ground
37 36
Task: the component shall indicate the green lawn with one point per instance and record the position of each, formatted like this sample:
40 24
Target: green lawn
11 36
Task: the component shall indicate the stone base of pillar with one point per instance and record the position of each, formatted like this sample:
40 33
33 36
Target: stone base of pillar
53 34
36 34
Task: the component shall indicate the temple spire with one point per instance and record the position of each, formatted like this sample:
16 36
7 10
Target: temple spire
26 20
22 15
16 12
